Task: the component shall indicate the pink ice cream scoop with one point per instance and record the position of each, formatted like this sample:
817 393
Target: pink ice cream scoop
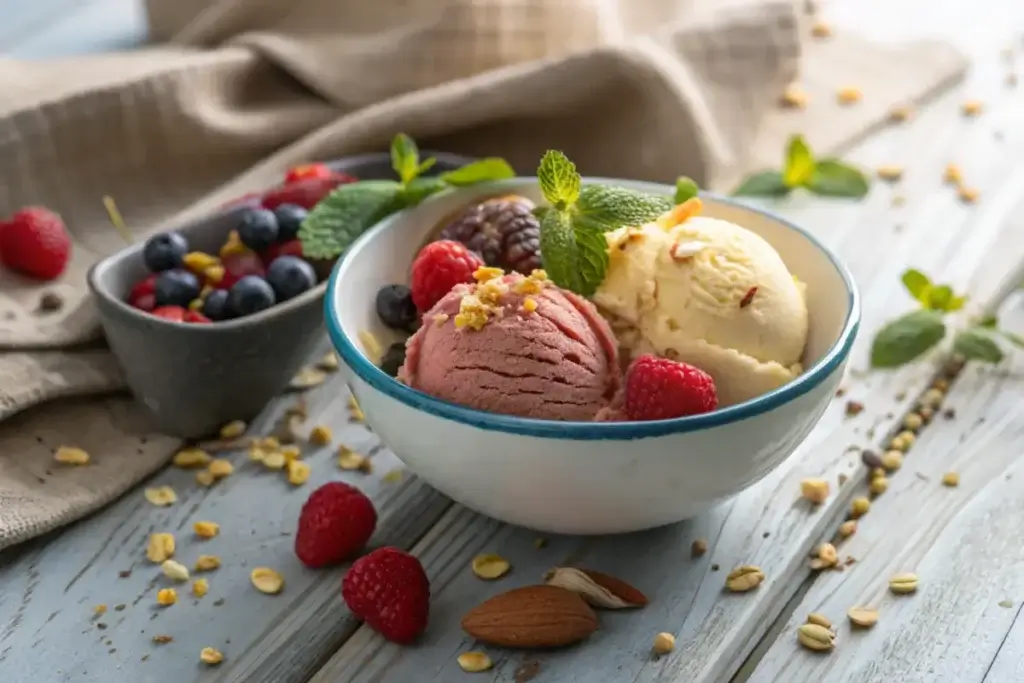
515 345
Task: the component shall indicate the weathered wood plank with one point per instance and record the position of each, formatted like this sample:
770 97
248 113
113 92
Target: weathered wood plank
963 543
967 246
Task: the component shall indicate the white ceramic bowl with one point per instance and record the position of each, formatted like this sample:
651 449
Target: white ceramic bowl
583 477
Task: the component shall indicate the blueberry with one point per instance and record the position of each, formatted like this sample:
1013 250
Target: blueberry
289 218
258 229
393 358
249 295
164 251
215 307
395 307
175 287
290 276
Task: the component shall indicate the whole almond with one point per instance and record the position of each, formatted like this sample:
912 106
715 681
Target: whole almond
531 617
597 588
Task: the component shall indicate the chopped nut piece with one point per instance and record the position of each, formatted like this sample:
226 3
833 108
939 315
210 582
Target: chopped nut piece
870 459
221 468
99 609
664 643
901 113
848 528
865 617
819 619
233 429
933 397
354 410
275 461
892 460
905 582
298 473
815 637
814 490
849 95
529 304
291 453
859 507
490 566
200 587
793 97
971 107
371 346
321 435
210 656
350 460
821 30
474 662
890 173
188 458
206 529
744 578
207 563
165 597
162 639
826 557
951 479
968 195
160 547
174 570
69 455
952 175
205 478
913 421
161 496
266 580
879 485
698 547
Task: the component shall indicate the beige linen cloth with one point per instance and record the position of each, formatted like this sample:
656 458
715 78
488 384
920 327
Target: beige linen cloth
235 91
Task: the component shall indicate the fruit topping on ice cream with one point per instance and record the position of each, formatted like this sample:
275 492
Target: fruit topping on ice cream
502 230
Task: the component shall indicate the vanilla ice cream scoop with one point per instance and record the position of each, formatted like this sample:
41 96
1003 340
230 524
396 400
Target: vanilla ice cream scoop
710 293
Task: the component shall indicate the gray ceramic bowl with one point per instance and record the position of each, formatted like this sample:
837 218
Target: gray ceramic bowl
195 378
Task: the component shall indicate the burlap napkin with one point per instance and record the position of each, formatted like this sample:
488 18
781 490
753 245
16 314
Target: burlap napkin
245 88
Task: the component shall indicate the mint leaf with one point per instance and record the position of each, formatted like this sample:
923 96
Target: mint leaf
907 337
405 157
686 188
942 298
917 283
602 208
799 162
558 180
833 178
976 344
559 251
420 188
764 184
345 214
989 322
425 166
491 168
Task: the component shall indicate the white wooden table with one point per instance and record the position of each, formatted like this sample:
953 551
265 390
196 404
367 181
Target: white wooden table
965 543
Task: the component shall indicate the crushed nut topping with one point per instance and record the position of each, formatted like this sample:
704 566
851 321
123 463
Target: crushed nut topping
69 455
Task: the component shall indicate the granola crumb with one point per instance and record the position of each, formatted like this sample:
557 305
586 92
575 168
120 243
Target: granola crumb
233 429
849 95
166 597
70 455
210 656
206 529
321 435
161 496
200 587
793 97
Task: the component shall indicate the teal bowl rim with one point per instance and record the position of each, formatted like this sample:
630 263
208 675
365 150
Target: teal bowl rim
594 431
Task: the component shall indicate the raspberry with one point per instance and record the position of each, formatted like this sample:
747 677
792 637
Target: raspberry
389 590
35 242
289 248
173 313
660 389
438 267
237 266
195 317
305 193
335 523
307 171
143 294
503 230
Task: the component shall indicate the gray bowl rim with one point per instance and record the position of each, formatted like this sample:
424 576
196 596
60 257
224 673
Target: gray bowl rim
376 378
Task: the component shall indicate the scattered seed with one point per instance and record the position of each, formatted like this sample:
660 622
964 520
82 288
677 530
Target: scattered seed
952 175
200 587
816 637
698 547
69 455
321 435
475 662
901 113
793 97
210 656
354 411
848 528
748 298
1006 603
814 490
854 408
221 468
865 617
892 460
913 421
926 414
162 639
825 557
490 566
206 529
870 459
819 619
266 580
233 429
205 478
207 563
161 496
744 578
849 95
99 609
968 195
174 570
879 485
890 172
664 643
165 597
307 378
859 507
349 459
951 479
971 107
189 458
821 30
298 473
291 454
160 547
905 582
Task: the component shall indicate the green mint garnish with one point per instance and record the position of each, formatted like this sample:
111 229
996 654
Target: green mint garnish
572 230
823 177
906 338
976 343
350 210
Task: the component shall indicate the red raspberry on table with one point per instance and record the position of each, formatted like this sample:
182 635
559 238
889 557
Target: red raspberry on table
305 193
335 523
289 248
660 389
35 242
307 171
173 313
143 294
389 590
438 267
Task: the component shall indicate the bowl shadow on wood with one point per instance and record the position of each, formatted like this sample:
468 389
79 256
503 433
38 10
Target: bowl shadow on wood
192 379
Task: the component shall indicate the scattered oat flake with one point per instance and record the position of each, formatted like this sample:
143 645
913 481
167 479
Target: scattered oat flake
490 566
99 609
206 529
189 458
207 563
70 455
748 297
200 587
160 547
307 378
793 97
210 656
968 195
166 597
349 459
971 107
321 435
474 662
890 172
275 461
849 95
298 472
266 580
233 429
951 479
221 468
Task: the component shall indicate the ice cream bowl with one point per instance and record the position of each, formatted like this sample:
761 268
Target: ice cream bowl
587 477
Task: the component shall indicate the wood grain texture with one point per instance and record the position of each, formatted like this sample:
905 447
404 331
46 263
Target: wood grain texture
963 623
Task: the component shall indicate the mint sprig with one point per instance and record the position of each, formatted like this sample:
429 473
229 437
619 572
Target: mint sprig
911 335
572 229
350 210
823 177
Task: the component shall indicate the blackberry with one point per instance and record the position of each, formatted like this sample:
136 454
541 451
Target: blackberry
503 230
